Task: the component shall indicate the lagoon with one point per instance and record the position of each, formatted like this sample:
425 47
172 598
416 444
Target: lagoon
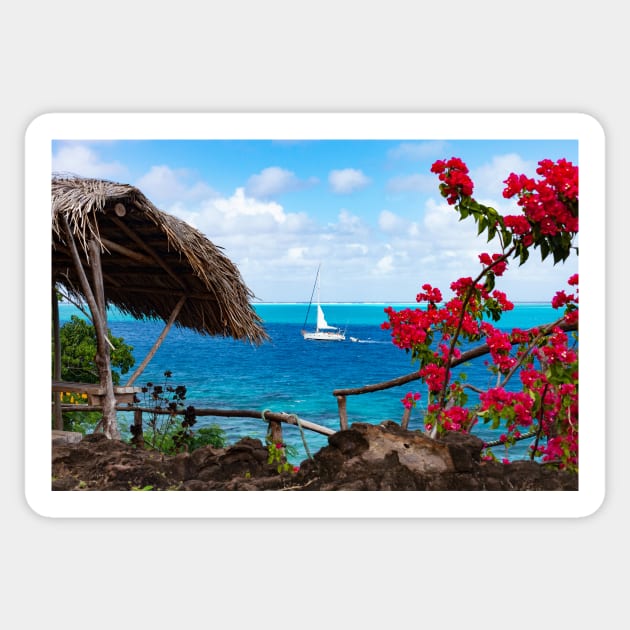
291 375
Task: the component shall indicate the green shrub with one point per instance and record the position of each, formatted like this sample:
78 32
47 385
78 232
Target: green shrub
169 428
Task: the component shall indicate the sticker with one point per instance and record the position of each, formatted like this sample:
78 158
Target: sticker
315 223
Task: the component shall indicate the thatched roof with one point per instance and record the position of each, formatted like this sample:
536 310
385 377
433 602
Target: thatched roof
150 259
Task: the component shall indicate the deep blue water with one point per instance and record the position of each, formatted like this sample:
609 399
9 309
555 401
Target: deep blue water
289 374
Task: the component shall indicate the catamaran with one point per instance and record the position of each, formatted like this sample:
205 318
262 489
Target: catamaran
323 331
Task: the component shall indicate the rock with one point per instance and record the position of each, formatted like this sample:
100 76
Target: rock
66 437
415 451
365 457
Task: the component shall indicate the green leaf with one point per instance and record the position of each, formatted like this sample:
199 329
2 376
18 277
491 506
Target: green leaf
544 249
524 255
490 279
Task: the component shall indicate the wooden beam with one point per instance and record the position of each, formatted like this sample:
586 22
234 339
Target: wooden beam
128 253
158 342
154 255
111 280
91 388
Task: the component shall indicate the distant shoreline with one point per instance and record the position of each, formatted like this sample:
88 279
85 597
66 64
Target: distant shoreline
389 303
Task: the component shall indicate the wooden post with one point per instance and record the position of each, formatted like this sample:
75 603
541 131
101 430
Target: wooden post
275 432
103 357
405 419
158 342
343 414
58 418
138 435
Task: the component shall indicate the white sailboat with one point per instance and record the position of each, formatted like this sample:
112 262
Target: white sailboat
323 330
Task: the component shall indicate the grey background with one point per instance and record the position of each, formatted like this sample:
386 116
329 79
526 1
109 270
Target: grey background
325 56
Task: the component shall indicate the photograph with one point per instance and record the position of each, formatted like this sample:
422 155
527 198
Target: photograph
367 303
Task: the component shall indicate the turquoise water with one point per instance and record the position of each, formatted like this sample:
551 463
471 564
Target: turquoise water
289 374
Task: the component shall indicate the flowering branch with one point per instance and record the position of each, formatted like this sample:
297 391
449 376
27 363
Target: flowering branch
546 365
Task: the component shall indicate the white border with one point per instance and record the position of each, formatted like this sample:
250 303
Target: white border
362 126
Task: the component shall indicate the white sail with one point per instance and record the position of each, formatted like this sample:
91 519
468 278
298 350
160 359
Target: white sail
322 324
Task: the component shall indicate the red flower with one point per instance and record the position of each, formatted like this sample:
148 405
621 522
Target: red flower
430 294
501 298
518 224
454 177
410 399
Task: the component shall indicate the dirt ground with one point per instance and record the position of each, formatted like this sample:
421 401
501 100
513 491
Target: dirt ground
365 457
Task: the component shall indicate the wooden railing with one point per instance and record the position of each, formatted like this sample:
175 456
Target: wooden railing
273 419
95 392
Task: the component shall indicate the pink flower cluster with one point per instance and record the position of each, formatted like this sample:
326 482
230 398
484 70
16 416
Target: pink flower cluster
453 174
500 345
498 266
517 406
410 400
549 204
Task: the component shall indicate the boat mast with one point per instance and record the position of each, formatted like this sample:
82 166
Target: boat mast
312 294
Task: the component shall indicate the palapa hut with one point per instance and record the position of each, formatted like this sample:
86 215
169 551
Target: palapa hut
112 247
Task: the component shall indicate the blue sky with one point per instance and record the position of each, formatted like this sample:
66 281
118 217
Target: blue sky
368 210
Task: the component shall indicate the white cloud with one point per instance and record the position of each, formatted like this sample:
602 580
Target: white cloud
347 180
356 249
446 233
436 249
489 178
81 160
164 186
391 223
385 265
275 181
296 254
240 214
416 182
248 227
348 223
